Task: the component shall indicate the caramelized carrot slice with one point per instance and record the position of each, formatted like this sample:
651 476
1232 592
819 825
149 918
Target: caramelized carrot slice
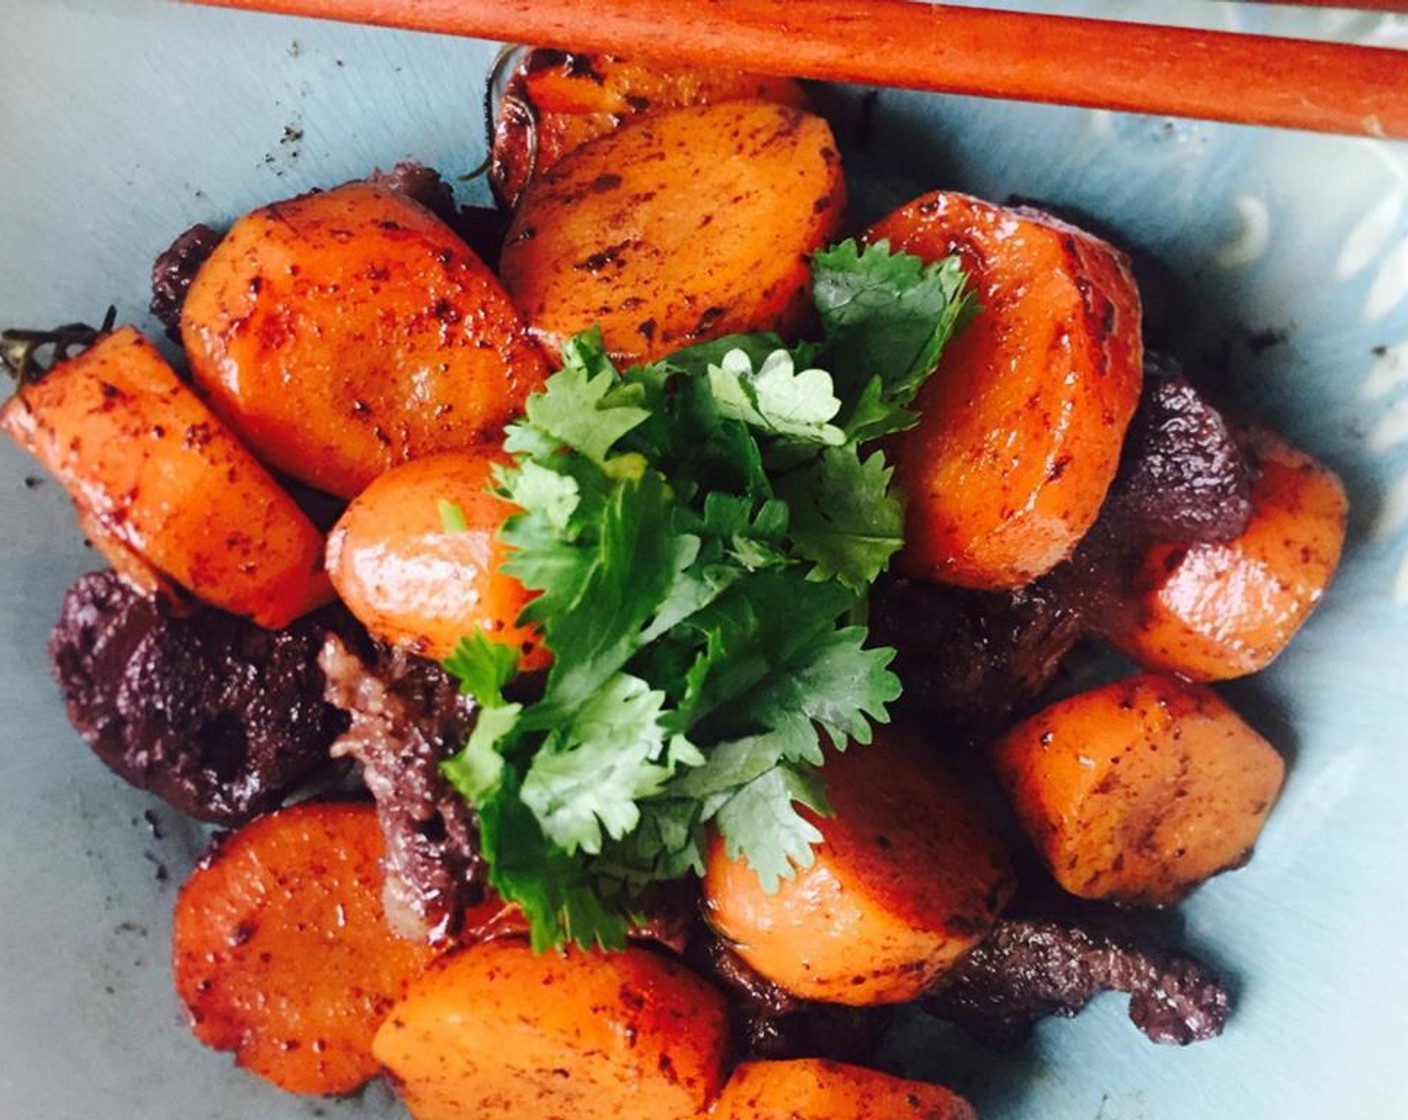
554 102
907 878
282 954
344 332
415 580
1216 611
497 1030
809 1089
1023 421
680 227
1140 790
164 490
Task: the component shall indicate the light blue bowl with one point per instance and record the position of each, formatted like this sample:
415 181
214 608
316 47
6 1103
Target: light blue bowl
123 121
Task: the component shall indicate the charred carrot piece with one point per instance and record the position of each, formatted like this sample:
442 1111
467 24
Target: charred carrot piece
498 1030
1023 421
1138 791
864 924
168 494
555 101
281 951
680 227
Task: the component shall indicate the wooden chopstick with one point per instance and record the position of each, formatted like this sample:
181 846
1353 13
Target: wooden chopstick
1351 5
1246 79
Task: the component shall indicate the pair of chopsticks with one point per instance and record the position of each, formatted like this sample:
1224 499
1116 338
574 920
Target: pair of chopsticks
1211 75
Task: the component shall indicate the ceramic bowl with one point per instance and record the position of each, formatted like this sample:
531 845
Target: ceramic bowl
124 121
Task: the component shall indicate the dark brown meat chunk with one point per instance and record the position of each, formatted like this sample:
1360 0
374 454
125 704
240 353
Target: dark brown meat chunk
420 184
173 271
211 713
1182 475
482 228
1032 967
407 717
769 1023
972 659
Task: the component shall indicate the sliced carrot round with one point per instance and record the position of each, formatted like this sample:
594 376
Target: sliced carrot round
498 1030
680 227
167 493
908 877
573 98
808 1089
1216 611
1138 791
281 951
415 577
343 332
1023 421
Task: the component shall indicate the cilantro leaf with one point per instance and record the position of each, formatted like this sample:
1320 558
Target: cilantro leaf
843 516
760 823
591 773
483 668
699 533
777 397
582 407
478 769
557 892
887 317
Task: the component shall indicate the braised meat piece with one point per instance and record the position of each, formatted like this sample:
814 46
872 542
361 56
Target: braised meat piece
211 713
770 1023
972 659
1182 475
407 716
1032 967
482 228
173 271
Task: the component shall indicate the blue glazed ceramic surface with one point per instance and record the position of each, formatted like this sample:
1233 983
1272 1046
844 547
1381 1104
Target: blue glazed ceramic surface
124 121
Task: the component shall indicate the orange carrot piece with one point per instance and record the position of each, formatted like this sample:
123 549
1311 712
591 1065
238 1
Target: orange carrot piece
1138 791
414 581
814 1089
554 102
496 1030
1215 611
680 227
1023 421
908 877
281 950
344 332
164 490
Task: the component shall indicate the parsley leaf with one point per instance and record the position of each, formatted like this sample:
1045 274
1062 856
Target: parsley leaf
700 533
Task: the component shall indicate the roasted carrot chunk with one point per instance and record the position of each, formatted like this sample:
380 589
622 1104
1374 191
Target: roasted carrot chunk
1023 421
554 102
678 228
497 1030
166 492
1216 611
810 1089
907 878
414 577
344 332
281 951
1140 790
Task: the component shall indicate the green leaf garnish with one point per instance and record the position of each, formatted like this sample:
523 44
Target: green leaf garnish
700 533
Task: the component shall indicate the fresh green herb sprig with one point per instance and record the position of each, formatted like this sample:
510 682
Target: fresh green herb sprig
700 533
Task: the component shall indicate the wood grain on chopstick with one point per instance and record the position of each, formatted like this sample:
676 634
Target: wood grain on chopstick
1248 79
